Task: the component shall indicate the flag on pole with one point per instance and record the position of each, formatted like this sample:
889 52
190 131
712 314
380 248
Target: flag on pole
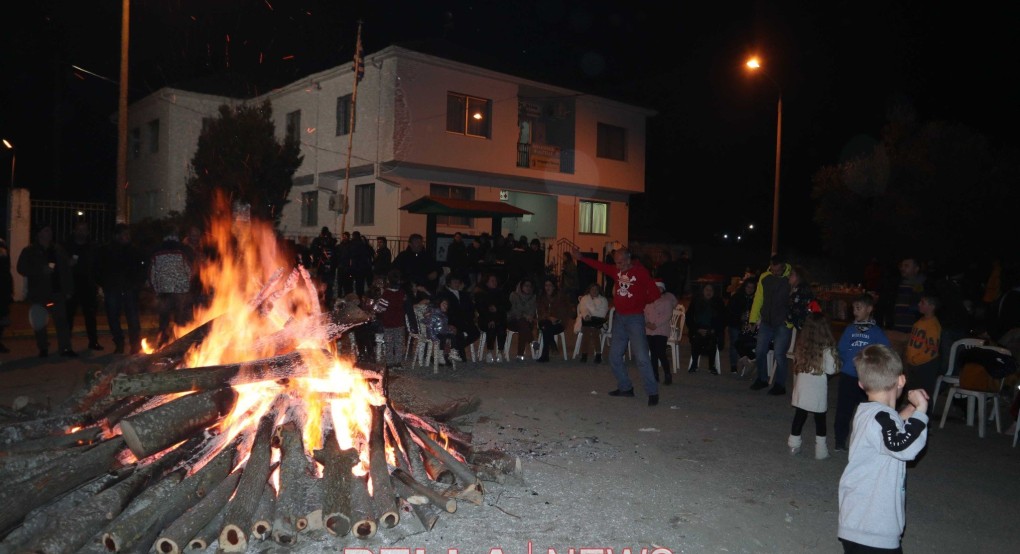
359 59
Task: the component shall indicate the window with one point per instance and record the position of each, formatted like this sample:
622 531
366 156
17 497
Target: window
294 125
612 142
364 204
594 217
447 191
344 125
467 115
153 128
310 208
135 143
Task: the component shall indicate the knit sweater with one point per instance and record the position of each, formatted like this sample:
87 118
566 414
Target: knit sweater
856 337
871 491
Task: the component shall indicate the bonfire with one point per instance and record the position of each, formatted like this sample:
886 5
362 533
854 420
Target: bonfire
249 426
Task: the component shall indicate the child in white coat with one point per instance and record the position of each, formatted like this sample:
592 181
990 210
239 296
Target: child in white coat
815 359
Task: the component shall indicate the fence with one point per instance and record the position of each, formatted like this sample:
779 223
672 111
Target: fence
63 215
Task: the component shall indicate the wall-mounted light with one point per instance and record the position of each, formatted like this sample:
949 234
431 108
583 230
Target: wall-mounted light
477 115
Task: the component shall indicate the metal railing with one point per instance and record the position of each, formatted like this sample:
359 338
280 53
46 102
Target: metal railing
63 215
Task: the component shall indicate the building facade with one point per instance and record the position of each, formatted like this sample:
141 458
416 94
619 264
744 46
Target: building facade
424 125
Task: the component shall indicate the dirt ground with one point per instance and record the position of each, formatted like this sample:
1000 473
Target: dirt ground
705 471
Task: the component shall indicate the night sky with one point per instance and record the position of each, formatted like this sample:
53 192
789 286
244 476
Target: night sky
710 150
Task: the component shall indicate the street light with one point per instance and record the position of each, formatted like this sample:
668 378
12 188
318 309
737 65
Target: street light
755 65
14 156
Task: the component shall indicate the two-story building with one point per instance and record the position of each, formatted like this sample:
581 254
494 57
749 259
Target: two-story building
423 125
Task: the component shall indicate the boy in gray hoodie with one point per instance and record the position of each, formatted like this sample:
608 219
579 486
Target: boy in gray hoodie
871 491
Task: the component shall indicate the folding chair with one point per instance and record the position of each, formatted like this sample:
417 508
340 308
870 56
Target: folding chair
676 333
980 398
952 377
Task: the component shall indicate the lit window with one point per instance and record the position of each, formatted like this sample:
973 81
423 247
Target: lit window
310 208
467 115
364 204
594 217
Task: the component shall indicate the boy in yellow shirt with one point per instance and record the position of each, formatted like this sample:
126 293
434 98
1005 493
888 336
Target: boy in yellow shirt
922 353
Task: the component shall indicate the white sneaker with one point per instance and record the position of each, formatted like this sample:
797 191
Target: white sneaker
498 358
455 356
489 358
519 358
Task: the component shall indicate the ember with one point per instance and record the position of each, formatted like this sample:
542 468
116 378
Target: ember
249 426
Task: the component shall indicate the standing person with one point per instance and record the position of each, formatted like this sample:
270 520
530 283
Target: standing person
50 283
862 333
170 275
706 322
658 317
922 352
456 255
769 312
569 278
632 291
872 488
6 292
738 312
536 261
908 293
592 310
122 274
391 318
417 265
553 309
83 256
492 304
359 266
802 299
383 260
322 251
474 257
814 361
522 315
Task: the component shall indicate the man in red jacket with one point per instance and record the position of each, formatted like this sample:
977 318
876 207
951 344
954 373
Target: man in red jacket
633 289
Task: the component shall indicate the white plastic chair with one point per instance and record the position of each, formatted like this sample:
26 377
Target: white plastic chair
478 353
980 398
607 334
676 333
412 337
560 339
506 347
952 377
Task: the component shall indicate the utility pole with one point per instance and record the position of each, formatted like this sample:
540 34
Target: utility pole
123 212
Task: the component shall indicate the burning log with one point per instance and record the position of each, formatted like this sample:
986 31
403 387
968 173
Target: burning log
154 430
211 377
18 500
291 504
430 495
189 525
38 428
437 428
463 473
409 457
336 485
365 521
383 498
240 510
36 521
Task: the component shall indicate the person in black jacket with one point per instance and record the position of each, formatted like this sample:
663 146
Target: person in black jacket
84 255
461 313
122 274
417 265
492 303
738 311
50 283
706 320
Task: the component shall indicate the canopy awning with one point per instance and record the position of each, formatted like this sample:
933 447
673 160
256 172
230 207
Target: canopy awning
437 205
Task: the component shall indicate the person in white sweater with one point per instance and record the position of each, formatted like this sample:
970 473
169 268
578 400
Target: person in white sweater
592 310
872 491
814 362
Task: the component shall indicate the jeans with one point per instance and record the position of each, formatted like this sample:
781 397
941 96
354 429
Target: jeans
734 333
781 334
631 328
126 303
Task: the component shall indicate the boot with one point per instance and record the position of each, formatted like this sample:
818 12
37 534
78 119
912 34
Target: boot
794 443
598 358
667 376
821 451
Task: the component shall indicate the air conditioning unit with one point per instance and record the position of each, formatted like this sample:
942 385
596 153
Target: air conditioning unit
338 203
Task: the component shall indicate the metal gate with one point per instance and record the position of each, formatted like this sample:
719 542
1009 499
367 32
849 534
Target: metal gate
63 215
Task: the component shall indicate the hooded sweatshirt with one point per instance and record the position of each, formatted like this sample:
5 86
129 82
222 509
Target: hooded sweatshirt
856 337
772 298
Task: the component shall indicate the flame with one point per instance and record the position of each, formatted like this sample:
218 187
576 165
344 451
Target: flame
254 309
146 347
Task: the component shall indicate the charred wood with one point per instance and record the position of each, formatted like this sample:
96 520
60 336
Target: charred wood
154 430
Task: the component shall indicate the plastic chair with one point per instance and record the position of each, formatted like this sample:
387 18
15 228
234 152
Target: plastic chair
478 352
412 337
506 347
676 333
560 339
607 334
951 377
977 397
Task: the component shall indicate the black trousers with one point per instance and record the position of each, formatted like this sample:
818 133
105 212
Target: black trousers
660 353
848 396
88 300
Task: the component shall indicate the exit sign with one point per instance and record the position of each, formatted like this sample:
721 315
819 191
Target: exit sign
504 195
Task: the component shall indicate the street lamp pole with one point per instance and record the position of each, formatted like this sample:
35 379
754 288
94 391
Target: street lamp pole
755 65
14 156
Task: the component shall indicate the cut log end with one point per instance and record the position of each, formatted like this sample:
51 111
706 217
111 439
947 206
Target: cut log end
337 524
261 529
198 544
233 539
110 542
364 529
389 519
167 546
301 524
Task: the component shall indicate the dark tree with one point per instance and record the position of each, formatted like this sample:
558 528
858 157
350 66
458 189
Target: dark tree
936 191
239 157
